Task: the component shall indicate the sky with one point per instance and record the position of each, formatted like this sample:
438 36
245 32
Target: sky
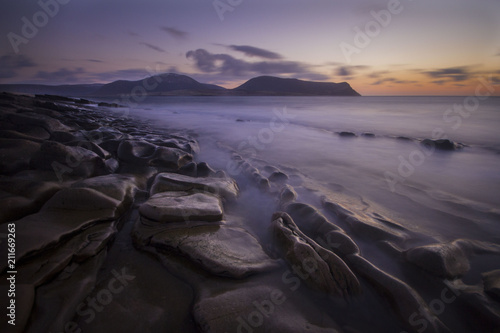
380 47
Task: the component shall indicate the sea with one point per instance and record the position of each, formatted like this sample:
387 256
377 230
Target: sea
370 148
371 155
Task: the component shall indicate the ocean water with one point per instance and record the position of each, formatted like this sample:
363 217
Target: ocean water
437 195
445 194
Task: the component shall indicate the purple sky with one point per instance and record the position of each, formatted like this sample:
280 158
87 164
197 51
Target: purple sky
414 47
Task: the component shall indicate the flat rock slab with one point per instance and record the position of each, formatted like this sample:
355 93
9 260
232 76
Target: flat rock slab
258 308
223 251
491 282
225 187
182 206
445 260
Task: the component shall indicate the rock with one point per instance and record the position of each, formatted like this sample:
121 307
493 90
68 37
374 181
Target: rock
20 197
368 135
62 137
189 169
15 155
225 187
220 250
81 199
182 206
39 120
287 194
442 144
90 146
278 177
204 170
379 228
144 153
404 300
347 134
491 282
444 260
237 310
75 161
119 187
325 271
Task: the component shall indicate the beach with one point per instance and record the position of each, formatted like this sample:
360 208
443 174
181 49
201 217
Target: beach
132 223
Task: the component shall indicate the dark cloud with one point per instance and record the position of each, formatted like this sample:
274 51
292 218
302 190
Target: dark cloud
392 80
153 47
94 60
176 33
253 51
9 64
456 74
62 75
343 71
227 65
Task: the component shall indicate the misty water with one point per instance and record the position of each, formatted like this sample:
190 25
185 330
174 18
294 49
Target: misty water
445 194
383 170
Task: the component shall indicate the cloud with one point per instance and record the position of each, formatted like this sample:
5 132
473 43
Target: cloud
62 75
392 80
153 47
176 33
94 60
227 65
10 64
252 51
344 71
456 74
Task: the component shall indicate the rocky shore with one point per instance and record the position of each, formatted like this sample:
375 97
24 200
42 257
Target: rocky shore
119 228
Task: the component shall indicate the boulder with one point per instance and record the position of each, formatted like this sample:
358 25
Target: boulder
220 250
445 260
15 154
491 282
182 206
62 159
324 270
224 187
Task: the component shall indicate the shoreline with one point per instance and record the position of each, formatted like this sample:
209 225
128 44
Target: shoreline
114 217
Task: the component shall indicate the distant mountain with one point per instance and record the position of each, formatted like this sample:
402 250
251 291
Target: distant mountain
171 84
65 90
274 86
164 84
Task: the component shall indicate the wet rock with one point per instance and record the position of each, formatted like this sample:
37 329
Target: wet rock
189 169
62 137
278 177
491 281
325 270
144 153
404 300
220 250
368 135
74 161
237 310
20 197
15 155
444 260
442 144
182 206
379 228
204 170
225 187
347 134
49 124
287 194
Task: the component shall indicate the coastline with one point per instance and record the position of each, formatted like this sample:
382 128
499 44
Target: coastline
93 194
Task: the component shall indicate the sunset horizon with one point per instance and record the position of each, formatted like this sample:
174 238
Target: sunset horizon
380 48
